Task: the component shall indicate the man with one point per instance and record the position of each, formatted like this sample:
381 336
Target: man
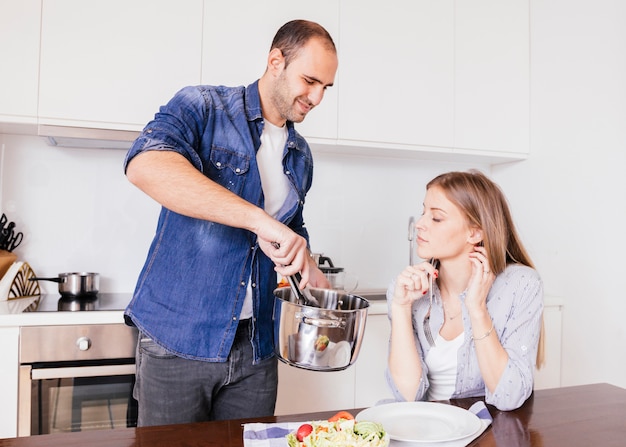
231 174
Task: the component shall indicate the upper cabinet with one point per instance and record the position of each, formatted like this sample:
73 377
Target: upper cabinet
444 79
112 63
236 44
492 76
397 72
447 77
19 56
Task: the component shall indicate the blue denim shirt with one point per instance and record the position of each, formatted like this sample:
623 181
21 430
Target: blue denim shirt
192 287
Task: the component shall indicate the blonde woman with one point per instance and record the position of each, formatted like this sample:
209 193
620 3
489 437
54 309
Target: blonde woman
469 321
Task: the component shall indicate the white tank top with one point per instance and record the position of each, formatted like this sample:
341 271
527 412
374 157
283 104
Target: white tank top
274 182
442 367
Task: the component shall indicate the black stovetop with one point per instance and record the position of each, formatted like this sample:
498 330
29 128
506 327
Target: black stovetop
102 301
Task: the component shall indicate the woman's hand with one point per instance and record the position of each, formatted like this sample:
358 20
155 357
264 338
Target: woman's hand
413 283
480 282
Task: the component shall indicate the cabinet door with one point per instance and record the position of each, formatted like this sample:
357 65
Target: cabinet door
8 385
112 63
236 45
492 75
19 53
303 391
370 384
396 67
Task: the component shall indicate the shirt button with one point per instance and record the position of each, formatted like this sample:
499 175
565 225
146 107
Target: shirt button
218 164
243 283
287 172
237 170
253 284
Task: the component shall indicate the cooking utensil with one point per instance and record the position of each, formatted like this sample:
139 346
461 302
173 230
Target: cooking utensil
412 236
14 241
75 284
304 295
5 235
325 338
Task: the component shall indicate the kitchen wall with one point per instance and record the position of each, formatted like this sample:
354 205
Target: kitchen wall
79 213
570 196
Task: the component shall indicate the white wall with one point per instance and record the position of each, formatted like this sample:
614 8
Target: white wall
570 196
79 213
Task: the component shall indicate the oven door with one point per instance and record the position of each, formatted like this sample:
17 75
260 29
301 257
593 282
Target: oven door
75 378
76 398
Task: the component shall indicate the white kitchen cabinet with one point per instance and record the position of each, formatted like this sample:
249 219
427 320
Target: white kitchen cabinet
19 55
8 380
397 67
112 63
370 385
442 77
303 391
236 44
492 75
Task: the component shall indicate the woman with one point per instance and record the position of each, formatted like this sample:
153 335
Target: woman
468 323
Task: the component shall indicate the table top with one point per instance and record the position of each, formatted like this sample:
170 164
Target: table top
585 415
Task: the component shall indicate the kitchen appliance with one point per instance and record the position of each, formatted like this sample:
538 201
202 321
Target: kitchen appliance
325 338
76 377
337 276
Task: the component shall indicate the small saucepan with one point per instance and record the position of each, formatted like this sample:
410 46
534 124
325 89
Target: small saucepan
76 284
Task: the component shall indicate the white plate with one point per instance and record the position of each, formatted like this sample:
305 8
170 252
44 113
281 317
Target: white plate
423 421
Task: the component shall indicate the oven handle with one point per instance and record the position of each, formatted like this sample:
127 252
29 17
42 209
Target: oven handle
82 371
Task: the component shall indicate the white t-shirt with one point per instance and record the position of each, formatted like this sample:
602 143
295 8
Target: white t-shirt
274 182
442 366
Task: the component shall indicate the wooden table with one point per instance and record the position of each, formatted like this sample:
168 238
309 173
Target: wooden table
588 415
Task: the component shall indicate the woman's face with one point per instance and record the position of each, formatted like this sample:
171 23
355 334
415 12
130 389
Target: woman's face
442 230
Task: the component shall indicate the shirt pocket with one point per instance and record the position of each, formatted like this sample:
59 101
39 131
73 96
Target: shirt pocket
228 168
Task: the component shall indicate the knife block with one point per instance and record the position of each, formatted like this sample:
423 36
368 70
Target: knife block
6 260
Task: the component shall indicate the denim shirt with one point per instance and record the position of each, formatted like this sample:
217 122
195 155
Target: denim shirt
515 305
191 289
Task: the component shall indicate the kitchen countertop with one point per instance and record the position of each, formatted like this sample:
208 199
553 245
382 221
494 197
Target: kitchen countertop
572 416
12 312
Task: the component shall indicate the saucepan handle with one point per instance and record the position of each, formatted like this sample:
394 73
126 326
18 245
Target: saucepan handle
320 322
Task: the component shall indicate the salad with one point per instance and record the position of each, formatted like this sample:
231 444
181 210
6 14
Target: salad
341 430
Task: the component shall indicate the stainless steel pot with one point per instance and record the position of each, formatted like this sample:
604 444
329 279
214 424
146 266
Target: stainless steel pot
327 338
76 284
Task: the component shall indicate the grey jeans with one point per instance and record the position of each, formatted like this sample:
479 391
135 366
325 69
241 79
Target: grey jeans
174 390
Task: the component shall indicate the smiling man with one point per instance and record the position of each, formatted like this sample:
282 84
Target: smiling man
231 174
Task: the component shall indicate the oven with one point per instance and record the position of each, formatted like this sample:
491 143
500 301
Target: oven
76 378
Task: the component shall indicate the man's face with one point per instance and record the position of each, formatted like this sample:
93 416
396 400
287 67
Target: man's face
301 85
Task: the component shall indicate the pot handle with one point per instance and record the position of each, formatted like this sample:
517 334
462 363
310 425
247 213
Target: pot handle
320 322
59 280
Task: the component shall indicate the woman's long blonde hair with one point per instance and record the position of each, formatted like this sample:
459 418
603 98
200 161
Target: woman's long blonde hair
486 207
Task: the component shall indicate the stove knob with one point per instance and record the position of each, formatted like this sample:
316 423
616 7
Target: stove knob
83 343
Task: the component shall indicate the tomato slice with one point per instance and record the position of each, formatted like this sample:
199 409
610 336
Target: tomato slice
340 415
303 431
